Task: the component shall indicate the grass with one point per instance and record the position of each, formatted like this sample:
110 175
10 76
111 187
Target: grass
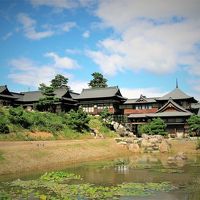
1 156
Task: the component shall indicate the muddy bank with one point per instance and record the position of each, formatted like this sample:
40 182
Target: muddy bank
24 156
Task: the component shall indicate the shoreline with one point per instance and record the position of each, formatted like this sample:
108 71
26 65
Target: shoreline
37 156
26 156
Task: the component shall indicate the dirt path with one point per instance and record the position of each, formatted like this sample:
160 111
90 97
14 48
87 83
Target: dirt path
24 156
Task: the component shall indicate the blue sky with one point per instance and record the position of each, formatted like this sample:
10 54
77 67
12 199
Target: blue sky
139 45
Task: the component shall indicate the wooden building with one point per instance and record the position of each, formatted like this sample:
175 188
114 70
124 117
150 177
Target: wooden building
6 97
174 108
94 100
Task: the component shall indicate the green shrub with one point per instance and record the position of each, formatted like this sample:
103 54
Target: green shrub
77 120
20 117
154 127
3 126
194 125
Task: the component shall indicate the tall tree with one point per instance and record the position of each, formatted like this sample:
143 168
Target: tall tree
59 81
46 103
98 81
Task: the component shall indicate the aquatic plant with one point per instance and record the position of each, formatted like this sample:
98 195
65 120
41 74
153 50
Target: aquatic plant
52 185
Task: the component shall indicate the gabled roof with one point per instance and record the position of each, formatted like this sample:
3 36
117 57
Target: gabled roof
175 95
4 92
94 93
135 101
172 104
2 88
36 95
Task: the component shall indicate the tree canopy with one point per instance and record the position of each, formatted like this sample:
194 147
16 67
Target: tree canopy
59 81
98 81
194 124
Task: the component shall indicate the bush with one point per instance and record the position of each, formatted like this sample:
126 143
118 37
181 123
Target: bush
3 126
156 126
18 116
194 125
77 120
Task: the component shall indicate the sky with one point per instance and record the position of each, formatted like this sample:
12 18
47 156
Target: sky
141 46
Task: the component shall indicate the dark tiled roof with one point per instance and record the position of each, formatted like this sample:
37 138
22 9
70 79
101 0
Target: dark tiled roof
174 104
175 94
2 88
100 93
134 101
36 95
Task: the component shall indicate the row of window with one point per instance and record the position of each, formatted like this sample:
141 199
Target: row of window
91 108
137 107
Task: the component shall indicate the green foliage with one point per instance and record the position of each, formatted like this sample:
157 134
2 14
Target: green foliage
19 117
98 81
194 124
77 120
59 176
156 126
59 81
55 185
47 102
3 123
105 114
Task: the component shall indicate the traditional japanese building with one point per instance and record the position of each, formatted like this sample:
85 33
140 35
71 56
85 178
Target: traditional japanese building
174 108
65 99
94 100
6 97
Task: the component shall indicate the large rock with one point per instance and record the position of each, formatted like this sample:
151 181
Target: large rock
164 147
134 148
145 143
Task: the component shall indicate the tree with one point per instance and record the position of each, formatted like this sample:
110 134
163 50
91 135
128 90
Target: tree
46 103
77 120
156 126
59 81
194 124
98 81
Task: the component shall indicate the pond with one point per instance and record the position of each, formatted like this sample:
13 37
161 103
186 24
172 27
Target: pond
139 177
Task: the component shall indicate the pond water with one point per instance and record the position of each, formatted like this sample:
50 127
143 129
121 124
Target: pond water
139 177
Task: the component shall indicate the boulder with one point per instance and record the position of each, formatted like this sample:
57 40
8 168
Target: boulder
145 143
164 147
134 148
115 125
145 136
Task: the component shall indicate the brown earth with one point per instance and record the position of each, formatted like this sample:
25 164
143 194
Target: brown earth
26 156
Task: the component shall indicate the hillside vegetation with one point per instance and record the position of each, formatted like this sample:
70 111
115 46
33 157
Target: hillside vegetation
19 124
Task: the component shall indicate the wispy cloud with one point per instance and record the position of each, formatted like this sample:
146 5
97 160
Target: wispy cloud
60 5
62 62
27 72
6 36
159 37
132 93
29 27
86 34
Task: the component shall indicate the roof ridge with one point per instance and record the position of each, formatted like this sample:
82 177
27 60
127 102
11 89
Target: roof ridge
100 88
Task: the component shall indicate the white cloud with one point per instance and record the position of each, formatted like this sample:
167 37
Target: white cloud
59 4
6 36
132 93
77 86
159 37
25 71
29 28
86 34
62 62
